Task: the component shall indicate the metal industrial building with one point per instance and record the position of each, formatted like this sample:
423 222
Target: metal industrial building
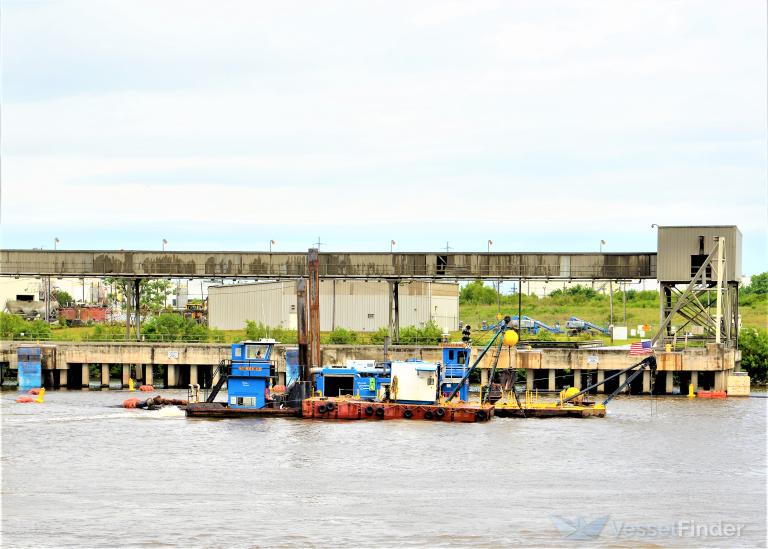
356 305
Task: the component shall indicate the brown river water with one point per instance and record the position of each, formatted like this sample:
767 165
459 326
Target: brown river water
656 472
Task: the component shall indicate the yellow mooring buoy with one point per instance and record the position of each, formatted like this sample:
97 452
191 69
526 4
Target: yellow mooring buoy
511 338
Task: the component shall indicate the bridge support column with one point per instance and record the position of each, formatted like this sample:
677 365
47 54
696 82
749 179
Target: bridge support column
85 379
139 371
192 374
126 374
148 374
484 376
577 378
646 382
669 384
622 379
552 382
721 380
63 377
694 381
104 375
170 374
600 379
529 377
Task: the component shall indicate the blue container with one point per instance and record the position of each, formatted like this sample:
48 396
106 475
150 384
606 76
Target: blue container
30 367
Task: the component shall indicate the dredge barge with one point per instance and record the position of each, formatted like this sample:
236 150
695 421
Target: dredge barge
369 390
409 390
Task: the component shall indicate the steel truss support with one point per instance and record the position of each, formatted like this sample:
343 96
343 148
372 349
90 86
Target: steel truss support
707 308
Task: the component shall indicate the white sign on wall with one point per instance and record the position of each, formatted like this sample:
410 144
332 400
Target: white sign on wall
173 354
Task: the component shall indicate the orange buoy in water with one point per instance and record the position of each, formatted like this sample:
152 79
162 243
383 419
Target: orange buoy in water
23 399
34 391
130 403
146 388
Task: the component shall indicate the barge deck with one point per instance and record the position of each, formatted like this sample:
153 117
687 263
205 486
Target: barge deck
221 410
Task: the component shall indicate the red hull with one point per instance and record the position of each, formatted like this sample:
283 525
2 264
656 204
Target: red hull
333 408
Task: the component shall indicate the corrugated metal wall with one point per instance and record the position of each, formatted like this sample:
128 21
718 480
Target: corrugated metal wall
355 305
677 244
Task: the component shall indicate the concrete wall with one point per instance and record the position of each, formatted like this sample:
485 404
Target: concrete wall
712 358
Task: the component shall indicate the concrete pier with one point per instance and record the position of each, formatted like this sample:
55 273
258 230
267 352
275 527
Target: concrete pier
600 379
546 369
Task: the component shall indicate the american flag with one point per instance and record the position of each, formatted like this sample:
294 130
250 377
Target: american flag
641 348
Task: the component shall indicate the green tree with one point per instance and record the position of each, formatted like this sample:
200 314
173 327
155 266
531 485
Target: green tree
754 353
11 325
14 327
153 293
62 298
477 293
174 327
758 284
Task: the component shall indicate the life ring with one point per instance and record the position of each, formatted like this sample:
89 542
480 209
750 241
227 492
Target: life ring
481 415
428 414
330 406
408 414
380 412
321 409
439 412
369 410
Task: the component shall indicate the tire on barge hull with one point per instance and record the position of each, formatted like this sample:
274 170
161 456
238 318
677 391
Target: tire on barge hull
341 409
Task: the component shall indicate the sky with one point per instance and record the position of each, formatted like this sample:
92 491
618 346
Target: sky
540 125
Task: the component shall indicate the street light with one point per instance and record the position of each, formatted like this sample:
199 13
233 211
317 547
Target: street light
56 242
164 243
272 243
490 243
392 245
602 243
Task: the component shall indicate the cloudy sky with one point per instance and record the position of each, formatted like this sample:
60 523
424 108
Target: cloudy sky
542 125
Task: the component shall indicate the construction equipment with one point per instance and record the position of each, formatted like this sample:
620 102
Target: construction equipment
528 324
648 363
576 326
